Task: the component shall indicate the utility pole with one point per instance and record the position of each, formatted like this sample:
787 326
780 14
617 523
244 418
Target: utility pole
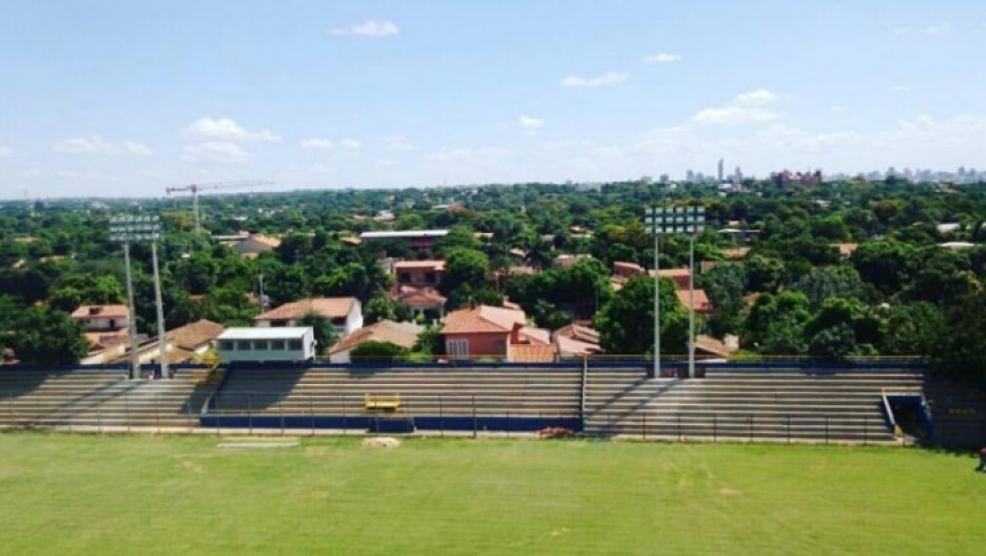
691 306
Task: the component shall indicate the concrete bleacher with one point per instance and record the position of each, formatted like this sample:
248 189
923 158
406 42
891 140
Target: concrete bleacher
747 403
100 399
494 397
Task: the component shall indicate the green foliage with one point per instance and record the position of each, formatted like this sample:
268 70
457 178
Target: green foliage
465 267
47 337
373 351
324 331
626 322
763 274
383 308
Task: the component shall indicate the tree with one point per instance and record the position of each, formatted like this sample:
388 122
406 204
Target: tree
914 329
789 308
884 264
830 281
626 322
324 330
962 352
465 266
724 285
384 308
372 351
763 273
834 343
47 337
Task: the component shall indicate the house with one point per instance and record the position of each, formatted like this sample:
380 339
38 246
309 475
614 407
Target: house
346 313
421 240
846 249
102 318
735 253
182 344
569 260
425 302
702 303
707 345
289 343
576 340
625 269
418 274
255 245
680 276
498 332
403 334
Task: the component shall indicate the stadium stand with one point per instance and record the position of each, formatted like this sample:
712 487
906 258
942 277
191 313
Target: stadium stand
775 402
98 398
492 397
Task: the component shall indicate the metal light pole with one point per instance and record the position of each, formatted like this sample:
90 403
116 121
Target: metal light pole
134 356
655 224
161 332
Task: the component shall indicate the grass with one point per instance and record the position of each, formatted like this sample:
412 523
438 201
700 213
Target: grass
77 494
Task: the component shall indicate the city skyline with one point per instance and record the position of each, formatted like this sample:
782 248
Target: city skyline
390 95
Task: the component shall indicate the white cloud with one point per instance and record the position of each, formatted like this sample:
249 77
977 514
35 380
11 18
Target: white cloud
604 80
901 31
662 58
529 123
470 155
316 143
745 108
96 144
733 115
399 143
757 96
937 29
30 173
350 144
226 129
369 28
6 152
223 152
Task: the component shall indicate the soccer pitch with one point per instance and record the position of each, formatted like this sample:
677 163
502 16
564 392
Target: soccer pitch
77 494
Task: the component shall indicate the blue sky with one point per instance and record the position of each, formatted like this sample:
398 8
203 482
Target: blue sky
126 98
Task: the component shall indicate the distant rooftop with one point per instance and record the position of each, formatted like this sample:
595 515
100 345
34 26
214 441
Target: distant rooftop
265 333
403 234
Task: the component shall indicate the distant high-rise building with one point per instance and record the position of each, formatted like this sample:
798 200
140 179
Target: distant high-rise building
738 175
721 173
689 175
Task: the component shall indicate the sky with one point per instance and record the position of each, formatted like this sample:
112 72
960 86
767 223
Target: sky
101 98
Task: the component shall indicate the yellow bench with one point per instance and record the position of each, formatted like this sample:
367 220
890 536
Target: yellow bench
382 402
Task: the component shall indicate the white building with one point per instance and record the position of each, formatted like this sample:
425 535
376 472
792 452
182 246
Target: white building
102 318
346 313
289 343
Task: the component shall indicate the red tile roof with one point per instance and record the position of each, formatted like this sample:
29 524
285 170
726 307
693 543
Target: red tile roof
195 334
702 303
436 265
404 334
419 297
329 307
111 311
483 318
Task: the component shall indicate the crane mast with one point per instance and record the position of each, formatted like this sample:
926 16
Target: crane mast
195 188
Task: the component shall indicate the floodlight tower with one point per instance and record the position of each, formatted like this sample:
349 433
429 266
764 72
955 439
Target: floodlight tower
676 220
195 188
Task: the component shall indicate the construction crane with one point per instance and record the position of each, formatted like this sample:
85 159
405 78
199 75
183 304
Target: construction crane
195 188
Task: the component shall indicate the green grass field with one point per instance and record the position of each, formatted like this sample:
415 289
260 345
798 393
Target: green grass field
75 494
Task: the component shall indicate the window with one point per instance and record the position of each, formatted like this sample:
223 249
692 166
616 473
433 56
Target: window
294 345
404 277
226 345
243 345
430 277
457 347
277 345
260 345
